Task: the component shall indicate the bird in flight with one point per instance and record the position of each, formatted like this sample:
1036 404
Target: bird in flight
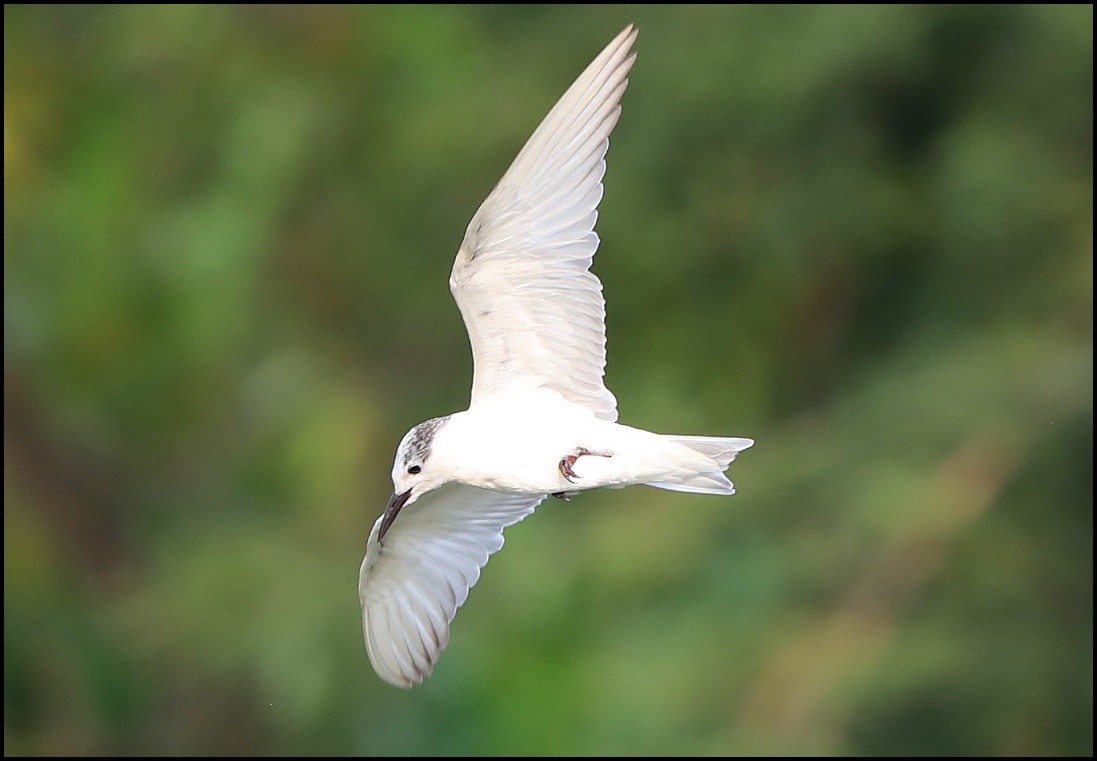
541 421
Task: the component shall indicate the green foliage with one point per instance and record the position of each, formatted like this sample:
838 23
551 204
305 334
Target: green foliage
861 235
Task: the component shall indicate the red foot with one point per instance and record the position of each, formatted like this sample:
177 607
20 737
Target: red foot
568 462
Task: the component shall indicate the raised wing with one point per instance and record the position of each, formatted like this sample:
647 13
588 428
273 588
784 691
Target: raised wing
534 312
415 579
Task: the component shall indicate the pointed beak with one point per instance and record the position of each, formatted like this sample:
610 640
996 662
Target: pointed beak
392 509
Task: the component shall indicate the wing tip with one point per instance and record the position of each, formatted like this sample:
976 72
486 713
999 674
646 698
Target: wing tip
616 54
623 43
399 669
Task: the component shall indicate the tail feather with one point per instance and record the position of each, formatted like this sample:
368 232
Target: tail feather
708 477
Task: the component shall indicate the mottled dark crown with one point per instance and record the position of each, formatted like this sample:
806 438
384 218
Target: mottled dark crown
416 445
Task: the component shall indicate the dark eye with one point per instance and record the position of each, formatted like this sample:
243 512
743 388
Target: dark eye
414 469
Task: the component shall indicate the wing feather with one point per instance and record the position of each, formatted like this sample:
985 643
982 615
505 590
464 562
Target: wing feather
413 582
534 312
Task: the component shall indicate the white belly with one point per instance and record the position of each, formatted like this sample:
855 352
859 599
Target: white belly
516 444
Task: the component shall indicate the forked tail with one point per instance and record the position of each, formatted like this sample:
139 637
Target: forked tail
702 461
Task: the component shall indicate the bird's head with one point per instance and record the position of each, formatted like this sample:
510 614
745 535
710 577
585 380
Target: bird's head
412 474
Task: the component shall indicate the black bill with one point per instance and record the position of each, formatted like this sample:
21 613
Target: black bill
392 509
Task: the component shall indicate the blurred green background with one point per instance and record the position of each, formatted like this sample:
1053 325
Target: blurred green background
862 236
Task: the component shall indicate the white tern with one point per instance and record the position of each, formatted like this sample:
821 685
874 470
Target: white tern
541 421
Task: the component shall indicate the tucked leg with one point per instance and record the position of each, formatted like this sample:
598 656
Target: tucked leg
568 462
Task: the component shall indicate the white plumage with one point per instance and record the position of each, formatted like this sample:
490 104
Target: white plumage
540 420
